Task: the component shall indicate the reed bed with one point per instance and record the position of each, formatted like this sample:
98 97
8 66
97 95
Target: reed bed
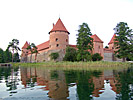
98 65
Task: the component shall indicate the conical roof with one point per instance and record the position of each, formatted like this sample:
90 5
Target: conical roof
25 45
59 26
112 40
96 38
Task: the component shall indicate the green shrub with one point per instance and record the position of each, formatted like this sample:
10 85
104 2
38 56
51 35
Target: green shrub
54 56
96 57
70 54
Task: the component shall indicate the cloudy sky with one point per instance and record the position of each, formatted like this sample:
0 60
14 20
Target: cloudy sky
31 20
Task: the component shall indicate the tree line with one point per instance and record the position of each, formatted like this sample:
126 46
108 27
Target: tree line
6 56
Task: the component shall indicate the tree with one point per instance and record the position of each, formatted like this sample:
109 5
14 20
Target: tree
97 57
14 46
7 56
16 57
106 47
33 49
84 42
54 56
123 41
70 54
1 56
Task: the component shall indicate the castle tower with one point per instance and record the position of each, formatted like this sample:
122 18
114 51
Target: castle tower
59 38
97 45
111 43
24 52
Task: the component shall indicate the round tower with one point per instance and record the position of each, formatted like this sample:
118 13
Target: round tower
59 38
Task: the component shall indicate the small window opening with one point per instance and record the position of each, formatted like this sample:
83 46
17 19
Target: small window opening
66 40
56 39
99 47
57 45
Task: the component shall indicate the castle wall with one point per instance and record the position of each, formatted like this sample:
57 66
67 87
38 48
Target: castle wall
45 56
108 56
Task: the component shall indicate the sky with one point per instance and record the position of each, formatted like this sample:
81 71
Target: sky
31 20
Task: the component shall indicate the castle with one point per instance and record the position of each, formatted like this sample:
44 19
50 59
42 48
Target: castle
59 40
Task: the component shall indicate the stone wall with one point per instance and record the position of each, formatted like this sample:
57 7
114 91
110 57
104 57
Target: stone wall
44 56
108 56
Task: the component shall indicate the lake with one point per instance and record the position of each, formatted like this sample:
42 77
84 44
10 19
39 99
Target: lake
40 83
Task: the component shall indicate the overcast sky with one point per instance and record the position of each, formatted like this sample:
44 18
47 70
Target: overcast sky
31 20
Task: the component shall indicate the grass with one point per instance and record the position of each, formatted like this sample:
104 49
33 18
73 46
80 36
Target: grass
98 65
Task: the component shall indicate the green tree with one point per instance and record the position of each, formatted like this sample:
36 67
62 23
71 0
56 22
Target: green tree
54 56
7 56
70 54
106 47
96 57
16 57
123 41
33 49
84 42
1 56
14 47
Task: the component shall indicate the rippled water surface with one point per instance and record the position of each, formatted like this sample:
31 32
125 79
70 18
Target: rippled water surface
39 83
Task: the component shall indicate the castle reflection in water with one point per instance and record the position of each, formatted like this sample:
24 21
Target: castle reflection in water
57 82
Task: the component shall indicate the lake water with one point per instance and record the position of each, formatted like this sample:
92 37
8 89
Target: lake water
39 83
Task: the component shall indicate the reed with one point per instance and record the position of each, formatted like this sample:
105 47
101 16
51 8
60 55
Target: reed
77 65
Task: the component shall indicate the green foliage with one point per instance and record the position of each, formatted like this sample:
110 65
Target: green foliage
124 84
97 57
14 46
124 41
70 54
33 49
16 58
7 56
106 47
54 56
1 56
84 42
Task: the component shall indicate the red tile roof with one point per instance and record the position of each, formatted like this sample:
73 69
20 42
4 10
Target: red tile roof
96 38
43 46
59 26
112 40
73 45
25 45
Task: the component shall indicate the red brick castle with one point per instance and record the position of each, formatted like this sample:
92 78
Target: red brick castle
59 40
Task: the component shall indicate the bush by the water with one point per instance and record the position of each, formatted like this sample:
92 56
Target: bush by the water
70 54
96 57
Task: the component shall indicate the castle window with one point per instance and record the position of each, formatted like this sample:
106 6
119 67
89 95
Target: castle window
57 45
98 47
56 39
66 40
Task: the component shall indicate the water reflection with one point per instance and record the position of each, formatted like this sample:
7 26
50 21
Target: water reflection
67 84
